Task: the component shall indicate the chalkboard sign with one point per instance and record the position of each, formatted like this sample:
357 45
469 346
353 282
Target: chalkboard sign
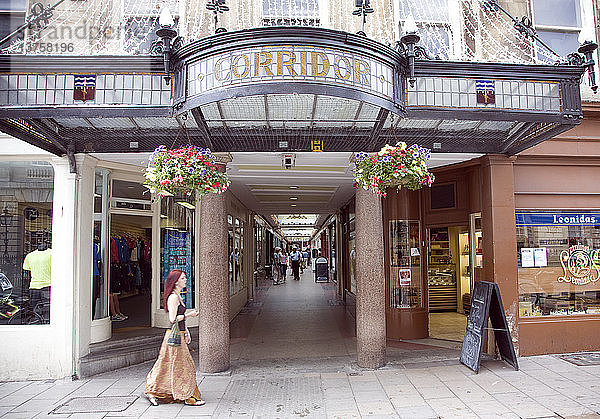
486 303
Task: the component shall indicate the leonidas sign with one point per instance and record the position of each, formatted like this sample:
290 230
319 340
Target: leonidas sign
306 64
579 265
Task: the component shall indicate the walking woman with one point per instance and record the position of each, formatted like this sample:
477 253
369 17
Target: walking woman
173 376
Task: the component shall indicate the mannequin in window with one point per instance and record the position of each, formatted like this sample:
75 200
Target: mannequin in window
38 263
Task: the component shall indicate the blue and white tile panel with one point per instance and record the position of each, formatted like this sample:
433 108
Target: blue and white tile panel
57 90
438 92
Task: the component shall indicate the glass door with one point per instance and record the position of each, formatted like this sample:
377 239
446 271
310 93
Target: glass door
475 248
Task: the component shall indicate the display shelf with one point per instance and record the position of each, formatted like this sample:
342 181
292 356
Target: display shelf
442 297
441 275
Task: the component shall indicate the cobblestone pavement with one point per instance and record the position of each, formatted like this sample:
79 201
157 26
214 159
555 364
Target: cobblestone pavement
295 357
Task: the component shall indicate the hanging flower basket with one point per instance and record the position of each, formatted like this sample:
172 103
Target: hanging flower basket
393 166
183 171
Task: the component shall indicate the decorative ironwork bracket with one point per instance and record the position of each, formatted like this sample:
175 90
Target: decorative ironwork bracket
217 6
363 8
525 27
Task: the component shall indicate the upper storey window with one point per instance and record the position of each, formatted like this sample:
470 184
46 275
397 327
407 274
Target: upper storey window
12 15
558 23
141 22
433 20
291 13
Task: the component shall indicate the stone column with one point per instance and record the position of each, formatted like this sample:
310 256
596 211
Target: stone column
499 233
213 285
370 281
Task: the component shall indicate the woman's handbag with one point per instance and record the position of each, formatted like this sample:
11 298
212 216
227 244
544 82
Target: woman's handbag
175 336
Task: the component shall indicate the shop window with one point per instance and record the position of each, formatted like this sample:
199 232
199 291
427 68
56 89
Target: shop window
433 20
405 264
236 253
558 257
177 217
100 246
442 196
26 195
291 13
352 250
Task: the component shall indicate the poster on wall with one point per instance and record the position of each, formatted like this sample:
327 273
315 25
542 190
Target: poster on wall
540 257
404 276
178 255
527 260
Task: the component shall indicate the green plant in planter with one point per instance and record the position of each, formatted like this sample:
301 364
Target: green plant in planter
393 166
183 171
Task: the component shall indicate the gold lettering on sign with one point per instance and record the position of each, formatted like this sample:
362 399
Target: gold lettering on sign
303 63
266 63
363 72
219 70
289 63
315 66
326 65
579 265
347 67
235 69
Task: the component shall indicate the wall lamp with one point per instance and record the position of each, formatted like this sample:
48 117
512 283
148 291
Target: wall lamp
408 46
166 34
587 49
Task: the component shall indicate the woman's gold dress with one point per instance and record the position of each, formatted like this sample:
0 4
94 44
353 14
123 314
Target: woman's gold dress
173 376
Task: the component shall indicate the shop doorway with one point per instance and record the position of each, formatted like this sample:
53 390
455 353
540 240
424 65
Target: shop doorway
449 281
130 297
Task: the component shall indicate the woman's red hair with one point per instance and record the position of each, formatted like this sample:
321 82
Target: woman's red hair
170 283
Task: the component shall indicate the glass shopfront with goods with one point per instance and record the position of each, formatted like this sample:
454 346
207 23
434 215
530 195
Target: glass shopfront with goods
558 257
26 199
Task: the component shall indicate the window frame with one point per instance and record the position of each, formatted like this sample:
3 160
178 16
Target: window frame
275 20
583 25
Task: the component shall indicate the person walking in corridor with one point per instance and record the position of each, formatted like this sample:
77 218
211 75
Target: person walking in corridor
172 379
276 272
295 258
281 263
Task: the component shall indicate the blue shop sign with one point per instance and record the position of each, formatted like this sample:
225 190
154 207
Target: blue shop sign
557 219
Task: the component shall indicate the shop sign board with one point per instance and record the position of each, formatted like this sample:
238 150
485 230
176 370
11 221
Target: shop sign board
486 303
557 219
291 63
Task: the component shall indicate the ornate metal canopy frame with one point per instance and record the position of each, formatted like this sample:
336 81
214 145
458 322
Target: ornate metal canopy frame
279 89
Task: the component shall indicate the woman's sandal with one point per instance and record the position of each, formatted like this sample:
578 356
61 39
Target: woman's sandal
196 402
153 400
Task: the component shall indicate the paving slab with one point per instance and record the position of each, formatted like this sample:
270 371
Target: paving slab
416 383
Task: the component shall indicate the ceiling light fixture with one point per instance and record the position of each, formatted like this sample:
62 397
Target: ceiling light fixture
293 198
293 187
293 205
186 205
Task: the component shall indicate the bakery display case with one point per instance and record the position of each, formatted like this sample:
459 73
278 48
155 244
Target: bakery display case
441 272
